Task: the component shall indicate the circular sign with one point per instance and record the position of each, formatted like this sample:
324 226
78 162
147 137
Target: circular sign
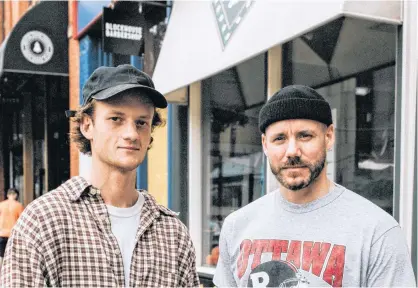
37 47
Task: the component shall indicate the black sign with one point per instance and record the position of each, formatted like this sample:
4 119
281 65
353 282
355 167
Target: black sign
37 46
122 33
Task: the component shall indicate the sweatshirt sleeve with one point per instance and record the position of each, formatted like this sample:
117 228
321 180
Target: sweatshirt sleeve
223 274
390 262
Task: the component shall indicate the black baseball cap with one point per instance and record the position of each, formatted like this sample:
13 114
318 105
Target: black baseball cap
106 82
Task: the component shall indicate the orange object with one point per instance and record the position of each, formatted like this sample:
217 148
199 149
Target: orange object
209 259
212 258
10 211
215 251
215 255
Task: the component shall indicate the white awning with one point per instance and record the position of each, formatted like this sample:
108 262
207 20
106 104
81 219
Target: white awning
193 48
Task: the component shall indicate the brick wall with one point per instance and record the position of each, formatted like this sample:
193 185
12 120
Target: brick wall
7 20
74 79
10 14
13 11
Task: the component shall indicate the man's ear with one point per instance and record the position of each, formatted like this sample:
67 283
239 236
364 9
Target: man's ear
330 136
150 142
86 127
264 143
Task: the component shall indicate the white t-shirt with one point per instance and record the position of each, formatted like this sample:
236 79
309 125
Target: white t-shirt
125 223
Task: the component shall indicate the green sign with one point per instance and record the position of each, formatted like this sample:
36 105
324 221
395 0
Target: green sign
229 14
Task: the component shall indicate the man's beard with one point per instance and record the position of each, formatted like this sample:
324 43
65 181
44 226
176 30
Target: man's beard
314 170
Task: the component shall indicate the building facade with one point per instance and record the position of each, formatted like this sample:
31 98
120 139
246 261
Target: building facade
361 56
33 94
218 64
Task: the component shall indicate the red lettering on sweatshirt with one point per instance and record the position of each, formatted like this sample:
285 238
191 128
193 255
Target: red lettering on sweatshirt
293 255
259 247
314 255
278 247
242 263
334 272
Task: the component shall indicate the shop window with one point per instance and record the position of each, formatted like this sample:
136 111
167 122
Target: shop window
351 62
232 153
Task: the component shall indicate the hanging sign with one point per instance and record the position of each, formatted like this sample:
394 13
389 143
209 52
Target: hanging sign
121 33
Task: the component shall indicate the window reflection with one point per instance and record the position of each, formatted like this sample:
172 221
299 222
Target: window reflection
351 62
232 101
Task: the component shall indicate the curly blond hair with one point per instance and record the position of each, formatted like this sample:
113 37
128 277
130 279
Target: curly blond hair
82 143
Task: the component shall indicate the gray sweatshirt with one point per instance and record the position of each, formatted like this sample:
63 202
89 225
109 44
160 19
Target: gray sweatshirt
341 239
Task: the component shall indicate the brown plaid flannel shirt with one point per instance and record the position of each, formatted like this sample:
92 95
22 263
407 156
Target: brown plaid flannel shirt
64 238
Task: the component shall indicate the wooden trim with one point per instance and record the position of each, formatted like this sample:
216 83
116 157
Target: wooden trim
74 87
178 96
7 17
74 17
195 168
274 70
274 83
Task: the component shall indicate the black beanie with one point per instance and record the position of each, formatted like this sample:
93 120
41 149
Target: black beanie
295 102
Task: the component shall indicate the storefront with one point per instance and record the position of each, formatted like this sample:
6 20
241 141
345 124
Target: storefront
111 33
33 97
361 56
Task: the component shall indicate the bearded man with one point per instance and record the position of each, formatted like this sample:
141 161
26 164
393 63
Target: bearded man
311 231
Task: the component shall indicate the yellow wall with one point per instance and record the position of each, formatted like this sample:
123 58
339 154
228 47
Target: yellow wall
158 164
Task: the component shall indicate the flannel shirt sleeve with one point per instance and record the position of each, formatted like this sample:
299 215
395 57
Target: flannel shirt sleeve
23 264
187 261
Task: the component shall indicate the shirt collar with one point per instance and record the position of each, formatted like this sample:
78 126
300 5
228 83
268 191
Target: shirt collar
78 185
152 204
75 187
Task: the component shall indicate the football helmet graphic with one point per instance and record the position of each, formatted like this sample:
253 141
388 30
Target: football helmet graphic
277 274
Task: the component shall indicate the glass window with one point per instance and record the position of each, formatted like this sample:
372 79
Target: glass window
232 153
351 62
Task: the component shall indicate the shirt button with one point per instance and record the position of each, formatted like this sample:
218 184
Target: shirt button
93 192
103 217
117 252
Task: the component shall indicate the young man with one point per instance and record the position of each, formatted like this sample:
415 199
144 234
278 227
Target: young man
10 210
103 232
311 232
